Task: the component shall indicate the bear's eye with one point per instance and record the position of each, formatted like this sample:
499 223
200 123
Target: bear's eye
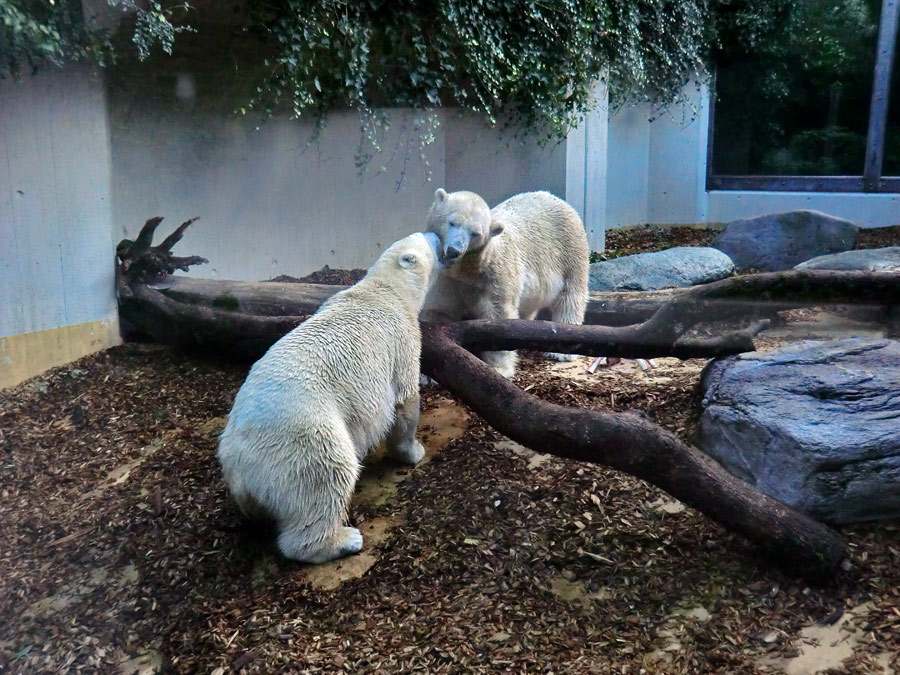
450 223
475 235
408 259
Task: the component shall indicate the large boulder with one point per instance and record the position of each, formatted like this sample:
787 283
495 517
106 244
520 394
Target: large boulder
865 260
815 425
679 266
779 241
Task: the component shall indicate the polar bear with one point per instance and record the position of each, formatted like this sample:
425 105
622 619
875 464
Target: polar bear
324 395
526 254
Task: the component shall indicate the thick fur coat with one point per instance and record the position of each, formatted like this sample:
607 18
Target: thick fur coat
527 254
323 396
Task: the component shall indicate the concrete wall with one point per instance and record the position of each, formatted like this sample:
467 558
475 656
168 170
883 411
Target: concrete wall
56 256
496 164
866 210
628 166
587 156
657 163
676 187
268 204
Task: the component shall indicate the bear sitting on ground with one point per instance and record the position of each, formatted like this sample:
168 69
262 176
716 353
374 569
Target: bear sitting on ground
323 396
526 254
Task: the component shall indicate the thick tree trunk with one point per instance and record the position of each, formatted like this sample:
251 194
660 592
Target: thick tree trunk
273 298
241 319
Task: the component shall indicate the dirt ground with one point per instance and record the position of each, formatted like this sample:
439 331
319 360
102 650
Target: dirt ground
123 553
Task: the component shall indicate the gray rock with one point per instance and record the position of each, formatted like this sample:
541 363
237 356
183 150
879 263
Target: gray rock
779 241
679 266
864 260
815 425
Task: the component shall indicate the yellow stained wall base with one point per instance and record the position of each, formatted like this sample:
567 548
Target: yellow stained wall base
29 354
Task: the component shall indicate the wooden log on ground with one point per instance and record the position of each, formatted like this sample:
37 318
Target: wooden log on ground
632 443
604 309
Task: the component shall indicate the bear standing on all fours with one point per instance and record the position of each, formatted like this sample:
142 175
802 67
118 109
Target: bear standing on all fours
526 254
323 396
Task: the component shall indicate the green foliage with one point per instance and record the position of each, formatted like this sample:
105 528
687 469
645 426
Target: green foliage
35 33
528 64
154 24
532 63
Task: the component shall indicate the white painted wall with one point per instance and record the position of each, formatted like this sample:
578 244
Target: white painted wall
56 235
267 205
587 154
677 161
495 163
628 166
866 210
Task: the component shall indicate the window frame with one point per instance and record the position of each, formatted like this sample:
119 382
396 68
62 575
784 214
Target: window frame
871 181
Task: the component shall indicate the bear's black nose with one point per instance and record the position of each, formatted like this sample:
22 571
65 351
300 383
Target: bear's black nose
452 253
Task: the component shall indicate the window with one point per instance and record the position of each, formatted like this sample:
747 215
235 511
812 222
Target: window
810 105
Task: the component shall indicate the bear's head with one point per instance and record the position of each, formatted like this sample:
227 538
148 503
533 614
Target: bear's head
413 259
463 222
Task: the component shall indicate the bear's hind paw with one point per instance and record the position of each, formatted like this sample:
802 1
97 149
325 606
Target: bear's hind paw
345 541
352 541
408 453
557 356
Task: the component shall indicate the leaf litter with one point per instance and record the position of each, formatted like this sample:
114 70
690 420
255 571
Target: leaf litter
491 563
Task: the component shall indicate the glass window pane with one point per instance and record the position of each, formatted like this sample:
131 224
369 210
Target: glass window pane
797 102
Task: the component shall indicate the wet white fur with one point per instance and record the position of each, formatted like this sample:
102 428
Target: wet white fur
324 395
531 253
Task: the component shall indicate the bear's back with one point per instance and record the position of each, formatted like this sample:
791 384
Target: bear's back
549 238
344 358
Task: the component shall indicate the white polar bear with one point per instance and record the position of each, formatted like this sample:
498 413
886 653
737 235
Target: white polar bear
526 254
324 395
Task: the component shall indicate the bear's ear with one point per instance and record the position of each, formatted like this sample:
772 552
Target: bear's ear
408 260
440 196
496 228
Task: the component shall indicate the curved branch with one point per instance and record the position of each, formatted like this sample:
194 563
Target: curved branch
629 442
197 327
661 334
640 341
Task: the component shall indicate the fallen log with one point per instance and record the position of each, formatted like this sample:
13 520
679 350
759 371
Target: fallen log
241 319
630 442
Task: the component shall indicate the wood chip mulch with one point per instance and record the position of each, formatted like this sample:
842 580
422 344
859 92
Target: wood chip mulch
118 539
646 238
326 275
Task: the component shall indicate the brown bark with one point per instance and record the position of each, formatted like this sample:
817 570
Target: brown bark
631 443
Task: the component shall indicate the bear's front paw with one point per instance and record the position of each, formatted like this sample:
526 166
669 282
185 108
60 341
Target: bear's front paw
425 381
557 356
351 541
409 453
